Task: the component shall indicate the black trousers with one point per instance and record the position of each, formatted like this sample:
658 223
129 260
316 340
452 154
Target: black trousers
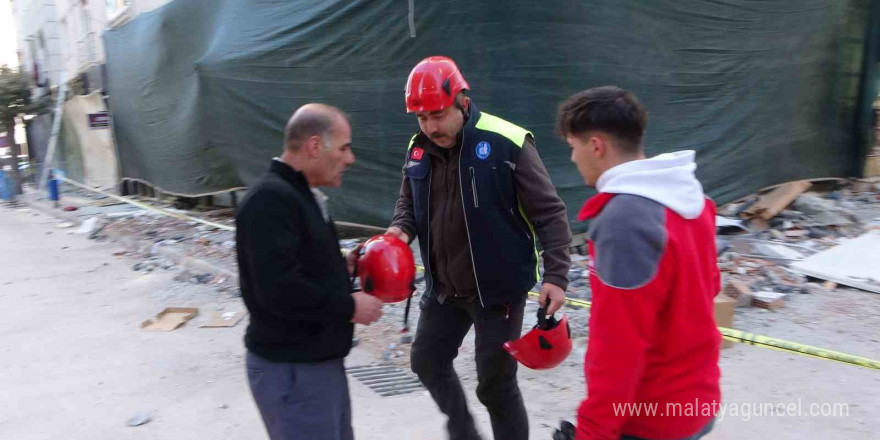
440 332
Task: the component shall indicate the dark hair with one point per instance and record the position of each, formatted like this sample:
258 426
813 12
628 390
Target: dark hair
609 109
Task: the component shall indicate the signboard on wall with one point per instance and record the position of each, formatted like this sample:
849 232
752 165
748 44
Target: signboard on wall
99 121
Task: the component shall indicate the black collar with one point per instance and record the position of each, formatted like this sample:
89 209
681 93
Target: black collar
295 178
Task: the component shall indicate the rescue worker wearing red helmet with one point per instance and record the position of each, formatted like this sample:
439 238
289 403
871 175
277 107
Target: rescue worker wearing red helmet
478 197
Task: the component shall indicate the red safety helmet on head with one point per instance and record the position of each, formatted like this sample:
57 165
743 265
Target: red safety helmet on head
433 85
387 268
545 346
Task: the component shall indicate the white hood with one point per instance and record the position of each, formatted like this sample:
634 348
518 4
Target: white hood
667 179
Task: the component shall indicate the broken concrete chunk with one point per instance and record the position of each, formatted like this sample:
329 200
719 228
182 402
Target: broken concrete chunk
769 300
139 418
796 233
739 291
812 204
823 212
852 263
759 224
726 226
830 218
87 226
183 276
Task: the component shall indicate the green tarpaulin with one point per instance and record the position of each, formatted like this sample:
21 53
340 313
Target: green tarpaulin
764 91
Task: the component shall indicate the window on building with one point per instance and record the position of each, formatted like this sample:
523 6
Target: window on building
115 6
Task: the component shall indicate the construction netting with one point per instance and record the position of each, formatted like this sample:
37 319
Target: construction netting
765 92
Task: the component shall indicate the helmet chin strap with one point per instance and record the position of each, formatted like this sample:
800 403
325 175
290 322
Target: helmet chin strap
464 107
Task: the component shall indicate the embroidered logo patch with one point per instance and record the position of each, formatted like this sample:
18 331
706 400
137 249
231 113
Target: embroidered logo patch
417 153
483 150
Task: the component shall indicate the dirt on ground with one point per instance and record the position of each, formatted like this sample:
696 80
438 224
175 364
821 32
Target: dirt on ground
79 366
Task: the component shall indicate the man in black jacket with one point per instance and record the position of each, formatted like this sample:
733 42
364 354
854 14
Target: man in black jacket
296 286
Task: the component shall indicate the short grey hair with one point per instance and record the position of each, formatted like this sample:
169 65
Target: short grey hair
311 120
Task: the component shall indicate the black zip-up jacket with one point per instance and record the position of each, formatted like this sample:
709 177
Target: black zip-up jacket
293 276
507 192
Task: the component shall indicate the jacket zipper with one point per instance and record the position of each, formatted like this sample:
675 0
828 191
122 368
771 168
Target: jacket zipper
466 227
428 244
474 188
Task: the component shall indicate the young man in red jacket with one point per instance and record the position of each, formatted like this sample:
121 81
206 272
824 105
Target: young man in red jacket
652 358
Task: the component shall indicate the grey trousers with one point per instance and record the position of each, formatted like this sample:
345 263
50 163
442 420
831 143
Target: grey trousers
307 401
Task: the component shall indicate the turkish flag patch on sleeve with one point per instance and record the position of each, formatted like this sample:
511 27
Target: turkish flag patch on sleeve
417 153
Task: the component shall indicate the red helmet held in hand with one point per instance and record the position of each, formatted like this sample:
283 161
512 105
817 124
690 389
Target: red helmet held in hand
433 85
545 346
387 269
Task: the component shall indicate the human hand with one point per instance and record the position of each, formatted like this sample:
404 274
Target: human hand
397 232
554 294
367 308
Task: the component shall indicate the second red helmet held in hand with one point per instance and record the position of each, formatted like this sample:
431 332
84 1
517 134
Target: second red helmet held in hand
387 269
545 346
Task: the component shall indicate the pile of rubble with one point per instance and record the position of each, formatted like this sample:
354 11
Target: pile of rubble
195 240
579 278
759 239
158 242
763 239
760 236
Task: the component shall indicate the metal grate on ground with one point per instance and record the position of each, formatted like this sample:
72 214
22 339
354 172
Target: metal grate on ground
386 380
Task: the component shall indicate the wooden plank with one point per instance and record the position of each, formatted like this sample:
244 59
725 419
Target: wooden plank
775 201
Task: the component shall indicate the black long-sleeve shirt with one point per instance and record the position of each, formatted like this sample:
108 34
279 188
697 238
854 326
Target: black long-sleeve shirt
293 276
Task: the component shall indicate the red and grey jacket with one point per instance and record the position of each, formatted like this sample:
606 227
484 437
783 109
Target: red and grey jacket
652 358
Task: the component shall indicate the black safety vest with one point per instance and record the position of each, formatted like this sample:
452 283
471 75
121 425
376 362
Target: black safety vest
501 237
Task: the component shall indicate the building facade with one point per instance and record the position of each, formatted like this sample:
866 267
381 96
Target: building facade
56 36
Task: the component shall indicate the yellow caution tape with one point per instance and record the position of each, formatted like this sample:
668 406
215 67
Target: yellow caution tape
142 205
772 343
727 333
764 341
794 347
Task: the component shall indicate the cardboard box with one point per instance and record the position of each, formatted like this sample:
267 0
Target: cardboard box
169 319
725 307
872 166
